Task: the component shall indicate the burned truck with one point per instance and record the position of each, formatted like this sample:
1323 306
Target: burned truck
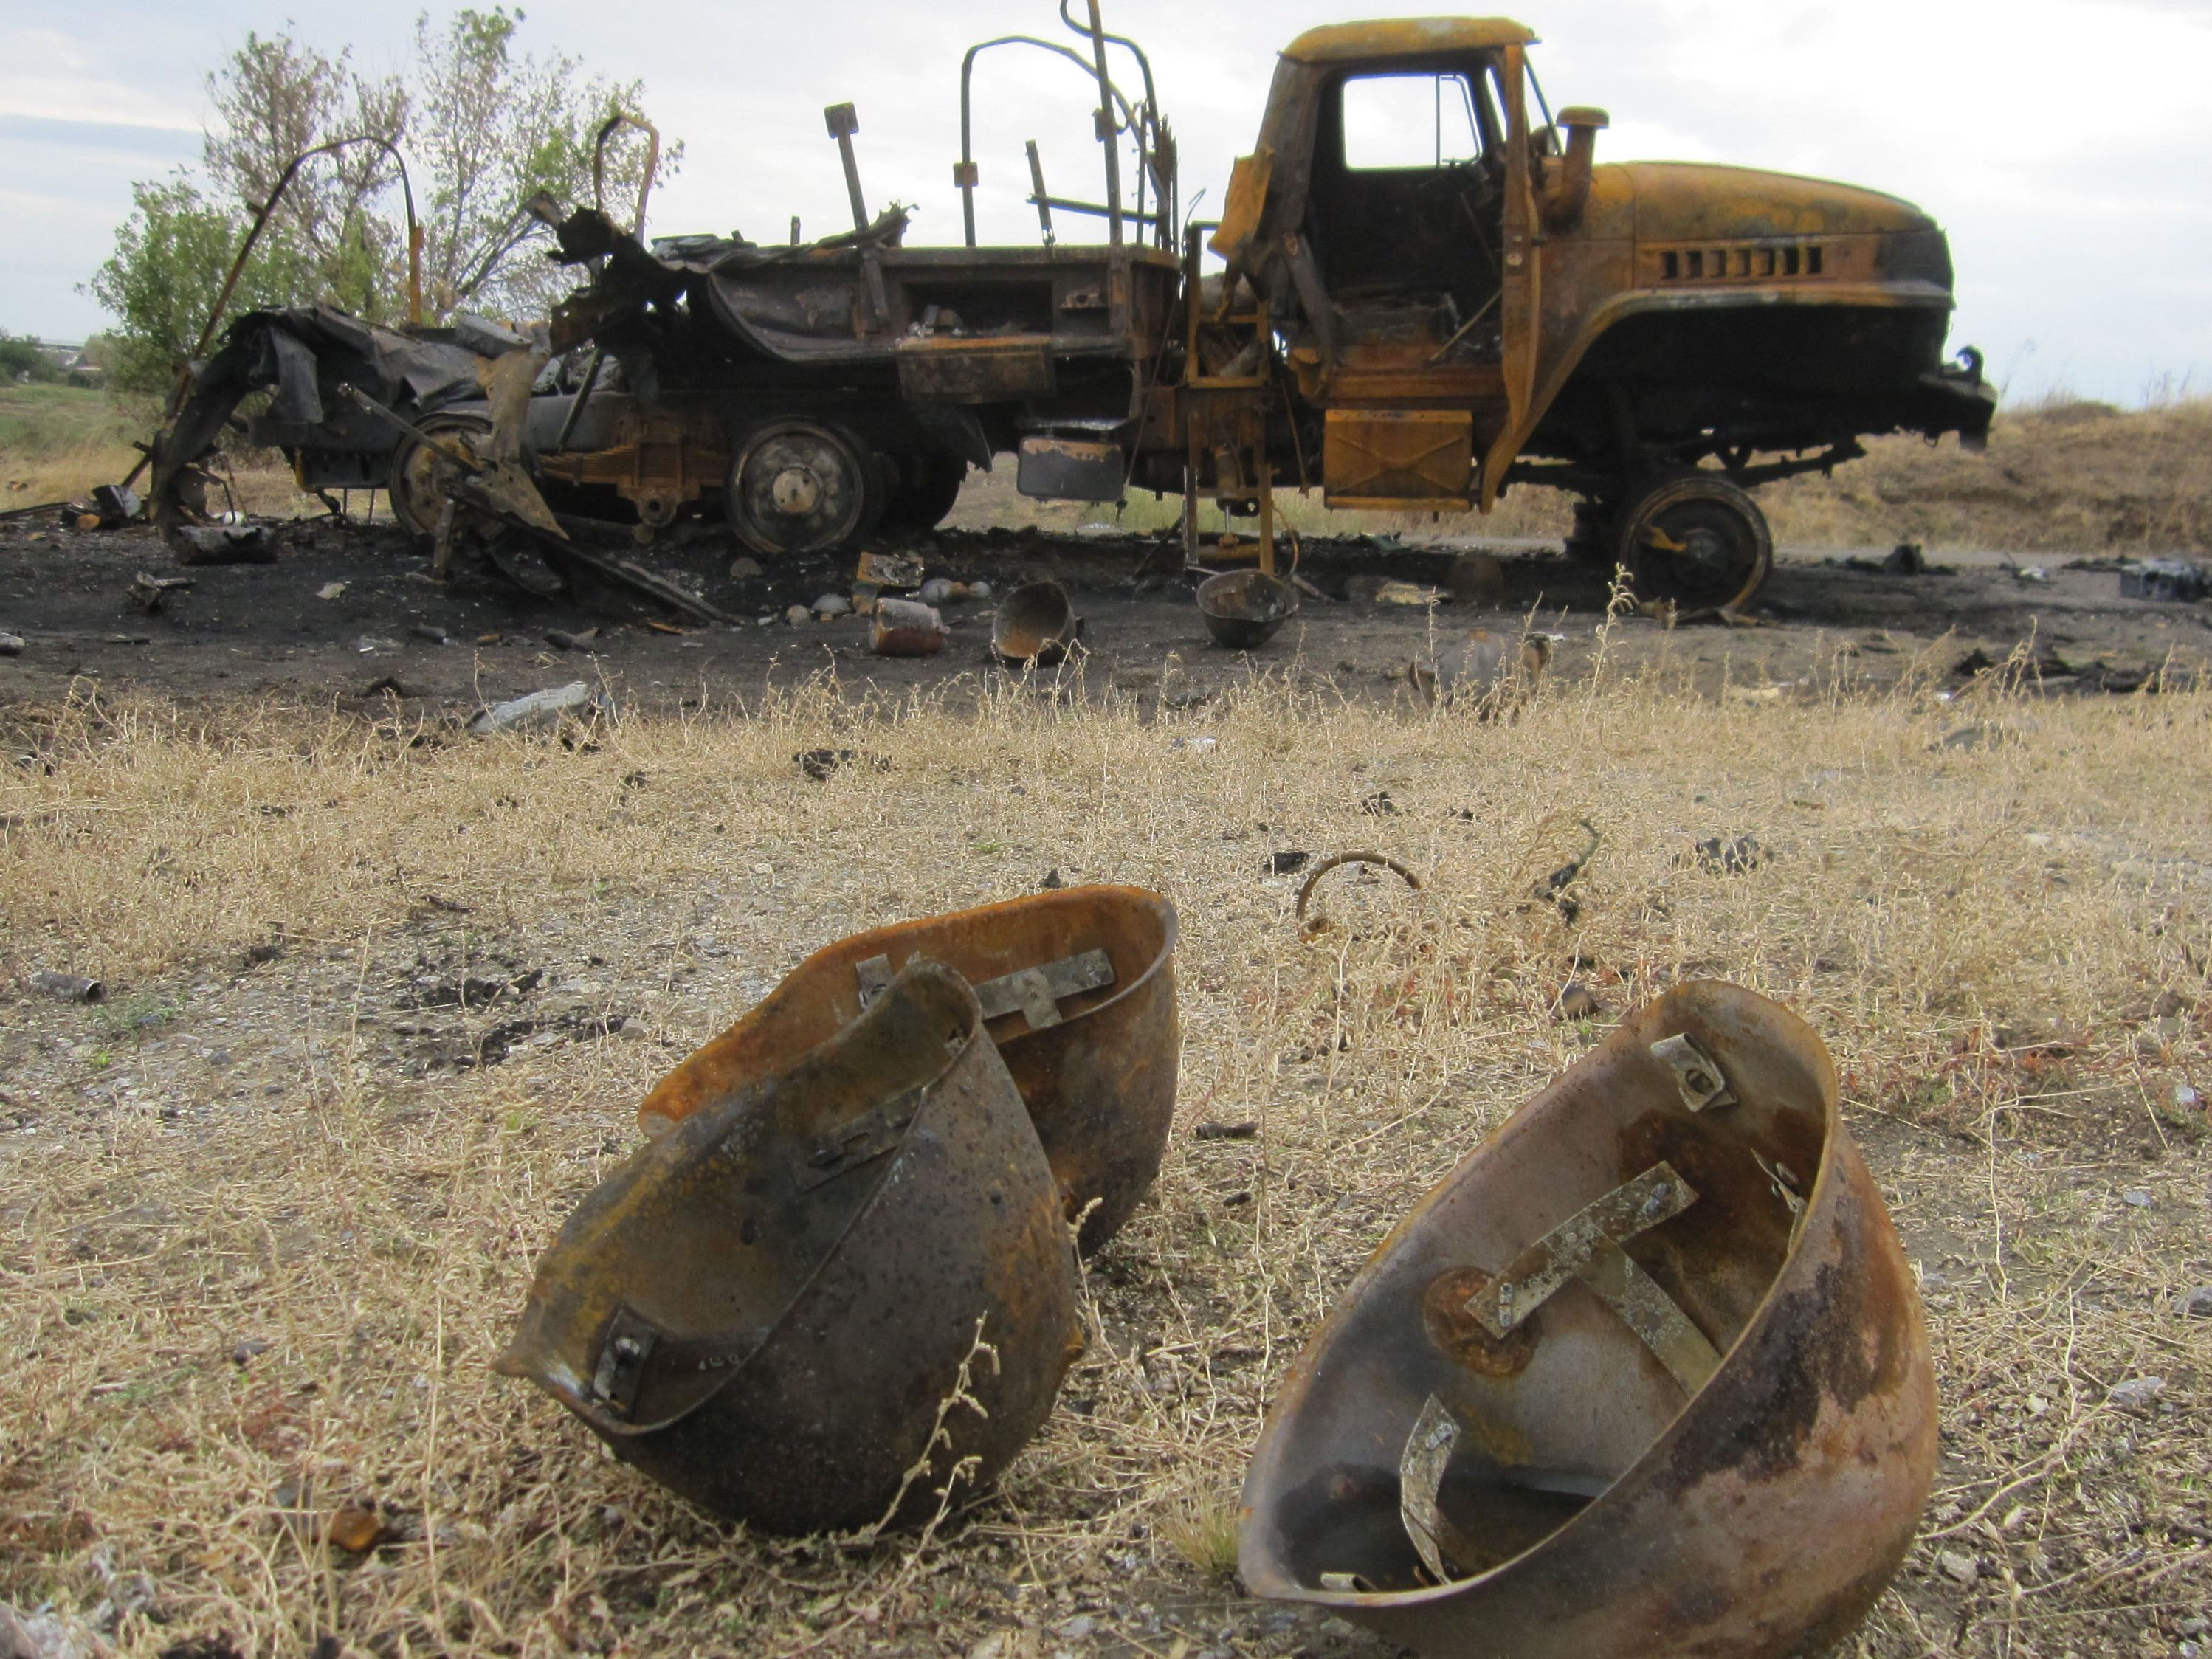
1415 328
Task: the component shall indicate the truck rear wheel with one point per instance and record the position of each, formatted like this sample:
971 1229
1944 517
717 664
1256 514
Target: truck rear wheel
1695 538
797 486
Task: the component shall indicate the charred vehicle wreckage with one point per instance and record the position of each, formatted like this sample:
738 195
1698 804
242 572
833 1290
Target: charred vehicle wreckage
1406 328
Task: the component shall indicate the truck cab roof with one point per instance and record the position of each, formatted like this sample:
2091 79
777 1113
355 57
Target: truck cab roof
1406 37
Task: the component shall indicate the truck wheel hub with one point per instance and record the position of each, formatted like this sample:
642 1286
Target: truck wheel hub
796 492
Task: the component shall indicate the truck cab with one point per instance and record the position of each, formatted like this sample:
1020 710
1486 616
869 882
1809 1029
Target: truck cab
1471 301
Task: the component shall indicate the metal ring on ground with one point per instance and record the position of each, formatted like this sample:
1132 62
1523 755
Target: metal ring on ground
1315 929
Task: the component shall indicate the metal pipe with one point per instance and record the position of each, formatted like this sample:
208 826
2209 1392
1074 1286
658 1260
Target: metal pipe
965 173
1096 210
1040 197
843 121
1107 130
607 129
583 397
1147 130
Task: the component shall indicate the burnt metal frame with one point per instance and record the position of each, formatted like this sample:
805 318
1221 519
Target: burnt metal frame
1142 119
261 218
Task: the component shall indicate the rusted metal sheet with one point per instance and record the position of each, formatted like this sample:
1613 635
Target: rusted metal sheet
961 371
767 1309
1100 1082
1399 458
1072 470
1247 198
1606 1389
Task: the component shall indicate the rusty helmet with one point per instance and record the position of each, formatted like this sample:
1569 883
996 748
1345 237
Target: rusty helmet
1077 987
1597 1392
767 1309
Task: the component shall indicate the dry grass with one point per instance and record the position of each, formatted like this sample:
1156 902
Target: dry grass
58 442
2006 945
2059 478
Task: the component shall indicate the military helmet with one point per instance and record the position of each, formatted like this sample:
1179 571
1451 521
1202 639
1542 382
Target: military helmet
1646 1374
1078 990
768 1308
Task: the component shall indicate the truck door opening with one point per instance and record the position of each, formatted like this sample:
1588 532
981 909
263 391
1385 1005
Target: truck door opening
1408 203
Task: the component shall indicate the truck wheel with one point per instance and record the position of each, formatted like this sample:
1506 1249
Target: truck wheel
420 475
928 487
800 486
1696 539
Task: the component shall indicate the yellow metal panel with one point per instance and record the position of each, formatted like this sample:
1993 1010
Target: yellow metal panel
1403 456
1408 37
1248 195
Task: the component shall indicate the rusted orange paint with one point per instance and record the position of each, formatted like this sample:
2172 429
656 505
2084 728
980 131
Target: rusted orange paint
1406 37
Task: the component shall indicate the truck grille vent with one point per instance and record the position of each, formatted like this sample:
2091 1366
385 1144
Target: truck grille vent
1741 263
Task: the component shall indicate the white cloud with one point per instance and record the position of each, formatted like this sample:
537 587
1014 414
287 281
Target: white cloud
48 75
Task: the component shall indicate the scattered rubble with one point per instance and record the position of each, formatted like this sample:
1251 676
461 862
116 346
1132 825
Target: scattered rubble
905 629
1578 1002
2169 581
148 594
539 708
2136 1392
1735 857
214 544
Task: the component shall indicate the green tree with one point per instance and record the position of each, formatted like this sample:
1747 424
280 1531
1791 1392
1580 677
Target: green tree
483 125
160 283
492 127
21 358
277 98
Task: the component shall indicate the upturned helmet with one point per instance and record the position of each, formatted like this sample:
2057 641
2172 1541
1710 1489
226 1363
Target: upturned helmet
1078 989
1646 1374
829 1286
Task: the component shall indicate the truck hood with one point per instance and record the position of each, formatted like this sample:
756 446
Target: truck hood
1687 201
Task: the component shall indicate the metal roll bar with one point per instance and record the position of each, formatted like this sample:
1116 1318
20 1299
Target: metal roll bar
1115 116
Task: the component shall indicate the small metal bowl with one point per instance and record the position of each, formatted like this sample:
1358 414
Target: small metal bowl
1034 625
1245 609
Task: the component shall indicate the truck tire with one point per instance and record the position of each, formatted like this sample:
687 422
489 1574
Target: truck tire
928 487
418 483
801 486
1695 539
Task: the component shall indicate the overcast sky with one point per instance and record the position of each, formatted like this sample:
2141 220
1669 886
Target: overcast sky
2064 143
